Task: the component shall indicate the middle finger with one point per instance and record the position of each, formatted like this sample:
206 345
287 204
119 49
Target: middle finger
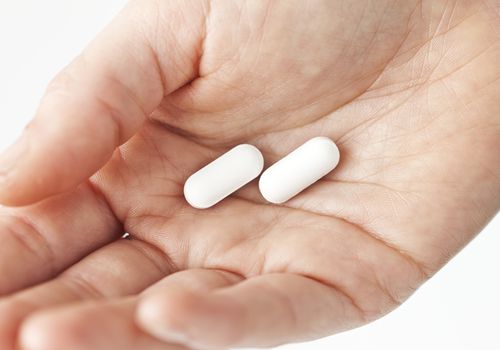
124 267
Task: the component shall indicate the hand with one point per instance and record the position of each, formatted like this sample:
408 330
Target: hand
410 92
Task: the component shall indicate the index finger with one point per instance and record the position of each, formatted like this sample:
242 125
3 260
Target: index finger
101 99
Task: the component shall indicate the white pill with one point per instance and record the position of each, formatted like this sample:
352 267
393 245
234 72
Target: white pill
223 176
299 170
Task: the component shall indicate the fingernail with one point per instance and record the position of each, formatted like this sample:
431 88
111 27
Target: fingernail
177 338
11 156
172 336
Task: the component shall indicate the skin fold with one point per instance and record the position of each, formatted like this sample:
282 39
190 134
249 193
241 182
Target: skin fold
410 92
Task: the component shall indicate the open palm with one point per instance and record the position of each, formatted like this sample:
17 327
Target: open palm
409 90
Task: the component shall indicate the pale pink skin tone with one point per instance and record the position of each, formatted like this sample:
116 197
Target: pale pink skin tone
409 90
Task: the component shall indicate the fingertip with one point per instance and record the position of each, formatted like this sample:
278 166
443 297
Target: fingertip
55 330
10 156
31 174
52 157
161 316
196 320
10 159
37 333
16 194
11 315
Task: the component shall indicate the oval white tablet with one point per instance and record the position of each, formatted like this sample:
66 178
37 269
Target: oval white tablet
223 176
299 170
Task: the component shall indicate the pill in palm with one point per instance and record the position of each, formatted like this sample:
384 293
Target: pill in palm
299 170
223 176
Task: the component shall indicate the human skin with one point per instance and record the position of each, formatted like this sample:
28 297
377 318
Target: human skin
410 92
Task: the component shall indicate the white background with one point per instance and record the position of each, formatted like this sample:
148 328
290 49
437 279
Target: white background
458 309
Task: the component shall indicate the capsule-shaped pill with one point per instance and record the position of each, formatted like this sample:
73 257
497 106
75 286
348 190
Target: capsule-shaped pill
231 171
299 170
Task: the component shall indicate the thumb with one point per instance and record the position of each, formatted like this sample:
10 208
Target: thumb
101 99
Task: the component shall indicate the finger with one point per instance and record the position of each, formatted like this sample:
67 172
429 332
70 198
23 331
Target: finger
124 267
40 241
263 311
94 326
101 99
